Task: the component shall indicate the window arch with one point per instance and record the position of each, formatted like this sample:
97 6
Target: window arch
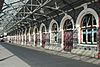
54 33
53 28
68 25
42 35
36 37
43 28
88 28
31 30
81 22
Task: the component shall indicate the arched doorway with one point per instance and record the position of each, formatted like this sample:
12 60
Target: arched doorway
27 36
35 36
67 27
31 36
23 38
68 35
20 36
42 35
16 37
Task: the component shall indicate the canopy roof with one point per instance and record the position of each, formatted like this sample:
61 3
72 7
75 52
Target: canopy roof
16 13
1 4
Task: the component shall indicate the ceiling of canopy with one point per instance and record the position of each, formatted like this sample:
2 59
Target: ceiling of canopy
8 12
19 12
1 4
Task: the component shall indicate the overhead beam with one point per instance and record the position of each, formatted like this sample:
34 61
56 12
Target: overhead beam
39 7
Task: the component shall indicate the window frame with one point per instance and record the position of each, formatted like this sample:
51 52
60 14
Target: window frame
91 26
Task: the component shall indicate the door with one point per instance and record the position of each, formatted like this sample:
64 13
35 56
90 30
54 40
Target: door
43 40
68 40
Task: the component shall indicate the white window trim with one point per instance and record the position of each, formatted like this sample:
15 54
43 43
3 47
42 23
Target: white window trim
50 30
66 17
41 26
54 39
87 45
82 14
87 37
93 38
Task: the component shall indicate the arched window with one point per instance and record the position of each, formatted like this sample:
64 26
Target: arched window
68 25
31 35
43 29
36 36
54 35
54 27
35 30
31 30
88 31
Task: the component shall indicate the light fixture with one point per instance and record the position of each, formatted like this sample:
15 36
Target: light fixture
41 10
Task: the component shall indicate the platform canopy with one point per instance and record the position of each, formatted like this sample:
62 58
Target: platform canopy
17 13
1 4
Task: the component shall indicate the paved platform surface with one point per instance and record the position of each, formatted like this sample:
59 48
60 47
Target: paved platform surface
16 56
68 55
8 59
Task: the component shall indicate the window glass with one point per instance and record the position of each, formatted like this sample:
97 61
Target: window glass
43 29
93 20
54 36
84 21
95 37
89 37
89 32
68 25
89 19
84 37
54 27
